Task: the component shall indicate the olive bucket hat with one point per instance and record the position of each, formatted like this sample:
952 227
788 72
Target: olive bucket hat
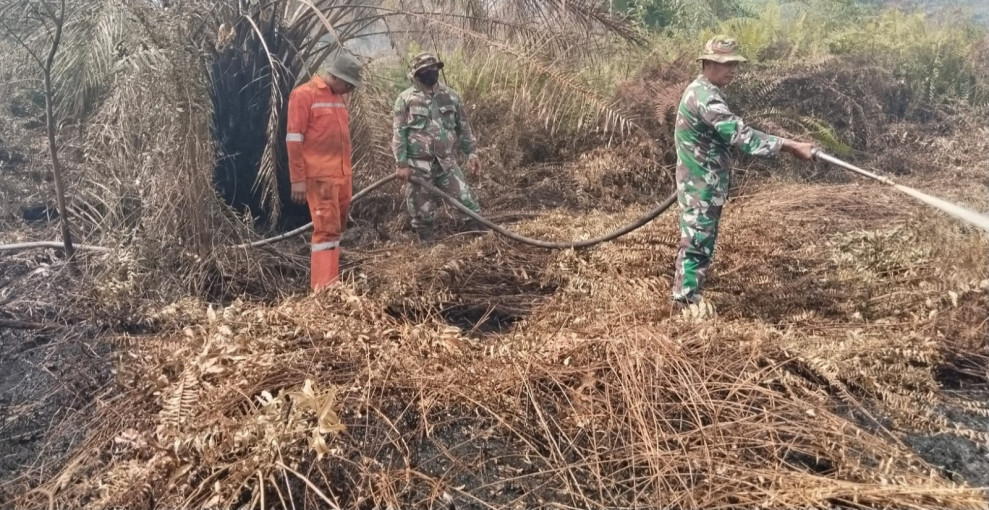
347 68
723 49
422 61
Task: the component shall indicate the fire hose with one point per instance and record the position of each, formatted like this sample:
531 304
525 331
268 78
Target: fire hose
968 216
551 245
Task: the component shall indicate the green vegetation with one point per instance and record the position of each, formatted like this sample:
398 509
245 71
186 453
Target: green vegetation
940 59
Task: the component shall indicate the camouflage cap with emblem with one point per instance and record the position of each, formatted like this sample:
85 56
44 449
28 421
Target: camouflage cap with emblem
422 61
722 49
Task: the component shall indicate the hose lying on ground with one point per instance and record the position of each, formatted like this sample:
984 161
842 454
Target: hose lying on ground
290 234
966 215
552 245
969 216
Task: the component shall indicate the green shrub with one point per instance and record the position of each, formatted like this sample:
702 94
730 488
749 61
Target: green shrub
934 59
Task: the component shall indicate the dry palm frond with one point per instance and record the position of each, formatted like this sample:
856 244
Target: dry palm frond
155 146
618 414
557 13
830 95
99 35
504 376
552 92
292 44
477 371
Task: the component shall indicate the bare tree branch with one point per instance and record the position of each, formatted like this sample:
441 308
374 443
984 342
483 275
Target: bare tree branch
20 41
46 67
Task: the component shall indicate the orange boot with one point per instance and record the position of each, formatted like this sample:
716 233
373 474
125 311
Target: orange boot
325 268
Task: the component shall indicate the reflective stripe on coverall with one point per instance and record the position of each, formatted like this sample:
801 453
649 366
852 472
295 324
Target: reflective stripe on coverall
319 154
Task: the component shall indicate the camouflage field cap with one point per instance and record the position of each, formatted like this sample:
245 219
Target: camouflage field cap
723 49
347 68
422 61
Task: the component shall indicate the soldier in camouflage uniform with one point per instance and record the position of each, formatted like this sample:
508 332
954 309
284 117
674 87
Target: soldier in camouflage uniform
705 132
430 125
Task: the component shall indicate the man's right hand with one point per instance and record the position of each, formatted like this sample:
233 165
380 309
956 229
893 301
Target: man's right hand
299 192
800 150
403 173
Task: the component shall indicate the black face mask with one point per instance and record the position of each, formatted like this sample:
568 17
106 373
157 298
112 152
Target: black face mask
428 77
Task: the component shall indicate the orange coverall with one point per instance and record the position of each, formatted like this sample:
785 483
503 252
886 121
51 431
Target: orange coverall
318 142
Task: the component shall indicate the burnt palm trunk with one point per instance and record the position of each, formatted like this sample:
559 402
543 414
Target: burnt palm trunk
242 82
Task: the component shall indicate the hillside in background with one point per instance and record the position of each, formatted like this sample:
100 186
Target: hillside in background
941 8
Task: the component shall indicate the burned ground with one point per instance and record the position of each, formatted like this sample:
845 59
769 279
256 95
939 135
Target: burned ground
843 369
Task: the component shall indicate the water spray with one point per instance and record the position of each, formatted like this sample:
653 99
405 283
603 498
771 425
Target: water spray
967 215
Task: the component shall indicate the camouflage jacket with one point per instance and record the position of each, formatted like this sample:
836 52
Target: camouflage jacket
706 130
429 126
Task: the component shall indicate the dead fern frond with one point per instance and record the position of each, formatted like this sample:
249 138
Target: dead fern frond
178 406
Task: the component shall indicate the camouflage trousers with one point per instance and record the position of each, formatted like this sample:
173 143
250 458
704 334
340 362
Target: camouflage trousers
698 232
422 205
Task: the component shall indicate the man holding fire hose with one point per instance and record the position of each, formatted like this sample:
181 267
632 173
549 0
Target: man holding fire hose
705 132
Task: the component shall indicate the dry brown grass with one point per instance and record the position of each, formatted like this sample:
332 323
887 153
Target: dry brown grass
365 396
568 384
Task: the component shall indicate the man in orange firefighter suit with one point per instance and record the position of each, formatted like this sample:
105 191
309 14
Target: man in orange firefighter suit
319 160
